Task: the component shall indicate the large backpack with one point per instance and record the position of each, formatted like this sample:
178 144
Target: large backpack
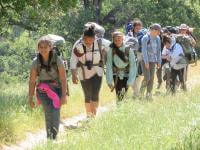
99 30
180 62
128 27
188 49
140 36
58 43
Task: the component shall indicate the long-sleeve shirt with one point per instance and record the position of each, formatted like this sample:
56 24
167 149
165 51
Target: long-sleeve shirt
121 64
176 53
151 49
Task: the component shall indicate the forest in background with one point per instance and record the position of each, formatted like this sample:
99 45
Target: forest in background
22 22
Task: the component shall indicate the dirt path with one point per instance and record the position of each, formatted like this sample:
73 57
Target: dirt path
33 139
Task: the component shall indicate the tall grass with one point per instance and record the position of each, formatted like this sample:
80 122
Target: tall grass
16 117
167 123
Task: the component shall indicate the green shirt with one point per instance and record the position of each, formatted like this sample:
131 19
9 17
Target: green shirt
43 73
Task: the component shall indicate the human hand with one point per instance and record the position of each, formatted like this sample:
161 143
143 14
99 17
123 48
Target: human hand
147 66
31 103
75 79
63 100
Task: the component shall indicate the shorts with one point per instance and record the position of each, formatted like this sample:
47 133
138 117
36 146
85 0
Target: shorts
91 88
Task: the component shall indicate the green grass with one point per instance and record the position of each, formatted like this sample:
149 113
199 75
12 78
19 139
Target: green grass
167 123
16 118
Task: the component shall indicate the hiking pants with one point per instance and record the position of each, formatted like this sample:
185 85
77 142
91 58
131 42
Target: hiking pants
121 87
174 74
148 77
52 115
136 86
159 75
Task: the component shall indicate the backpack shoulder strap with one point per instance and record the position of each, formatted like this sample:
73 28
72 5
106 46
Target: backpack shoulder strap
84 48
99 42
149 40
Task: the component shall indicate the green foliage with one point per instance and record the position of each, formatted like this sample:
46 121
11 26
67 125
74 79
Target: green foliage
16 55
32 19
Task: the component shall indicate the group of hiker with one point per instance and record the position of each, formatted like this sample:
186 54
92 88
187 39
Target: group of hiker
129 60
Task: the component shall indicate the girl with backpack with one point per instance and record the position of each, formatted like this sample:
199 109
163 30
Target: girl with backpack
87 66
49 70
138 32
151 50
177 62
120 66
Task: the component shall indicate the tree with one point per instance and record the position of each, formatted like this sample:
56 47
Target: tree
31 14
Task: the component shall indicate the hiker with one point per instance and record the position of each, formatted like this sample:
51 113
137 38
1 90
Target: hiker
187 42
151 50
49 71
87 66
120 66
177 63
138 32
159 70
166 66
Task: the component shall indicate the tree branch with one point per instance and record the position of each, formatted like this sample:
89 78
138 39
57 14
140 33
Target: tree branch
21 24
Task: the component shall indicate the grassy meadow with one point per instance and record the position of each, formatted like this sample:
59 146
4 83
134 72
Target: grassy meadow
135 124
167 123
16 117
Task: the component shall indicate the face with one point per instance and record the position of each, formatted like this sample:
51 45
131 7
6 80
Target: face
155 32
88 41
118 40
137 28
183 31
44 49
167 45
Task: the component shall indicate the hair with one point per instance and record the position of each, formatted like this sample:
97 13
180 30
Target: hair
166 39
117 32
47 42
136 22
89 31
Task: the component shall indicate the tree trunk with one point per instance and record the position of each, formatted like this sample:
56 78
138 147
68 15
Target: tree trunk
86 3
97 6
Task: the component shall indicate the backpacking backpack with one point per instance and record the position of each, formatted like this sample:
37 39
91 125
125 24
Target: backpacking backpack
140 36
128 27
188 49
171 29
58 43
99 30
180 62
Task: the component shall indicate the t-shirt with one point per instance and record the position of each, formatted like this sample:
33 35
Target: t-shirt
48 75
